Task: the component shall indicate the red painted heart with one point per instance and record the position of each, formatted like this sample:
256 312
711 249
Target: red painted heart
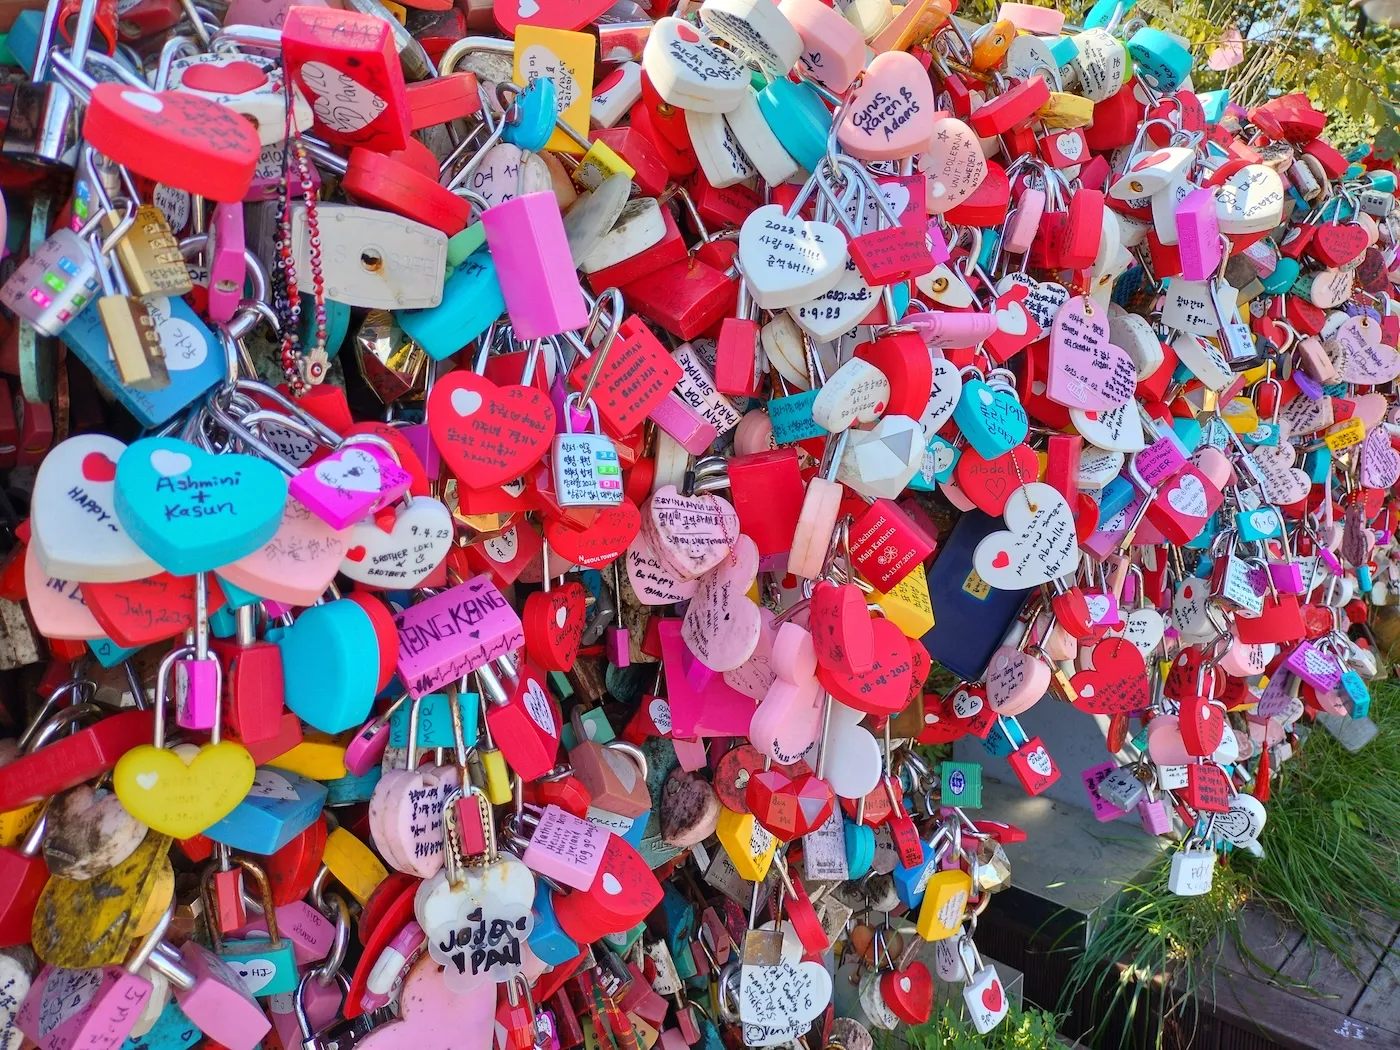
553 625
98 467
552 14
231 78
488 434
603 542
140 612
882 690
989 482
991 997
1117 683
909 992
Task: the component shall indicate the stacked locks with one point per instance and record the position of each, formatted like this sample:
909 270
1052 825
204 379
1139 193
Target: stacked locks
516 465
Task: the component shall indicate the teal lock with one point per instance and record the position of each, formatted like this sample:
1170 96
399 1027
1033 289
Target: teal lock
1285 273
1188 432
940 460
621 943
337 323
471 302
1159 59
680 930
1353 690
195 357
1318 464
1364 581
265 964
1064 49
279 807
1105 11
1261 524
533 111
347 790
990 417
1213 104
435 721
172 1031
1265 434
799 118
1116 496
1381 180
792 420
860 848
1002 740
192 511
1203 539
330 665
109 653
548 939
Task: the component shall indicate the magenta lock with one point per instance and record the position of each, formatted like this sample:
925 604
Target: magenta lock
702 702
531 252
1199 235
1104 810
320 1002
684 425
453 633
392 966
199 677
366 749
566 848
227 263
354 480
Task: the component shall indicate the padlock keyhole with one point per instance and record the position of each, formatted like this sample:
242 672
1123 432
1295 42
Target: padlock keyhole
371 260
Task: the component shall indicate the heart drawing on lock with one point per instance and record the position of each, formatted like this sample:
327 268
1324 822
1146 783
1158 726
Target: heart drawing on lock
192 511
722 624
1039 546
553 623
400 545
1188 496
183 796
488 434
354 470
1039 761
73 522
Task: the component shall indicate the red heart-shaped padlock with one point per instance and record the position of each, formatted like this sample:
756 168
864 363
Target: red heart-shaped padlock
139 612
1202 725
884 688
602 543
909 992
488 434
1338 243
1118 682
553 624
842 630
988 483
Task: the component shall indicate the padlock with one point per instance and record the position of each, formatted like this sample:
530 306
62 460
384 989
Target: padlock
266 966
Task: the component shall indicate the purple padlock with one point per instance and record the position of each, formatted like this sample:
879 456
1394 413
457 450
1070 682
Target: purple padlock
1318 668
531 252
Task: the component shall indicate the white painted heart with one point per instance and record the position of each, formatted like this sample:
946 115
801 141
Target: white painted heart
354 470
169 464
465 402
340 102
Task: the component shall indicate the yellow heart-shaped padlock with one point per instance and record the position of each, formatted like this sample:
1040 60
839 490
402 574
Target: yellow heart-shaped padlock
181 794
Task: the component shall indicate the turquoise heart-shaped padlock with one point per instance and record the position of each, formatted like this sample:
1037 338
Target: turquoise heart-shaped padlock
330 665
860 848
533 113
1159 59
1285 273
991 419
193 511
471 301
548 939
797 116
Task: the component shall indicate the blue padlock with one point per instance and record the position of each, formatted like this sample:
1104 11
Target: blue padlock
1353 690
330 661
471 303
990 417
909 883
190 342
279 807
798 117
109 653
548 939
792 420
344 791
1159 59
860 848
435 721
172 1031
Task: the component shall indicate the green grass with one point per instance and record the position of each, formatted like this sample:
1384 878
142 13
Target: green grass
1331 865
949 1030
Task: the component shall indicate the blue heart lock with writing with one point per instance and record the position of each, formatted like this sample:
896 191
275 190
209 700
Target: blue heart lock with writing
193 511
992 420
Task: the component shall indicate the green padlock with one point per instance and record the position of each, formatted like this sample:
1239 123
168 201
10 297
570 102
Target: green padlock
266 965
